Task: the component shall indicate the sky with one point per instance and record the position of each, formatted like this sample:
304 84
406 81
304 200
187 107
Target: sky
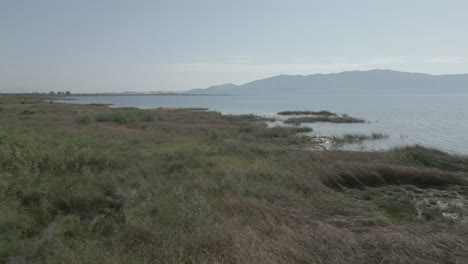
157 45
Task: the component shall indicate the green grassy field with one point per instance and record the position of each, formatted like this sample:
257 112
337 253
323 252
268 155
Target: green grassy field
91 184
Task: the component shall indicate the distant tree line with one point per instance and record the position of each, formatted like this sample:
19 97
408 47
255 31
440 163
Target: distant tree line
60 93
45 93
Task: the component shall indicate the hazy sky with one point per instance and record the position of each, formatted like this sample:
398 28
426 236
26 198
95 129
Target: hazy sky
144 45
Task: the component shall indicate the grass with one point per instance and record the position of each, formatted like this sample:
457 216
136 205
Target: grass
200 187
320 113
28 112
408 204
356 138
380 174
427 157
397 209
119 116
248 117
328 119
8 99
197 108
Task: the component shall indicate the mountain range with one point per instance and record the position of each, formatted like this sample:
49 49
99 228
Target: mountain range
350 82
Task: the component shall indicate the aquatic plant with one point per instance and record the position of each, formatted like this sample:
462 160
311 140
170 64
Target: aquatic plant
355 138
320 113
328 119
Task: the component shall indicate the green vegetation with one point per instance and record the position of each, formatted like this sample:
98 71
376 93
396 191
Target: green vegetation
426 157
119 116
28 112
320 113
356 138
7 99
330 119
248 117
197 108
409 204
89 184
396 209
318 116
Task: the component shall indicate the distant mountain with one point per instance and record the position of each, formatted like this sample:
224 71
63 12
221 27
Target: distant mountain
351 82
227 88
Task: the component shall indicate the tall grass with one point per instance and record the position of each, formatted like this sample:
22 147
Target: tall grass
355 138
199 187
429 157
119 116
320 113
328 119
377 174
247 117
44 179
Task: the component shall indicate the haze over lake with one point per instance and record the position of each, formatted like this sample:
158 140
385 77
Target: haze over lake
433 120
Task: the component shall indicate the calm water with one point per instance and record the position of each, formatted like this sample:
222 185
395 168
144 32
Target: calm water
439 121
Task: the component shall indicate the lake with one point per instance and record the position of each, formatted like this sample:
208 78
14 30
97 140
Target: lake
439 121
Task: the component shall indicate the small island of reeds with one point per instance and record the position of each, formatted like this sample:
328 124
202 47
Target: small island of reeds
318 116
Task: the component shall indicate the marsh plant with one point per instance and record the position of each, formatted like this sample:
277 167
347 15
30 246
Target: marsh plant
344 118
90 184
319 113
357 138
119 116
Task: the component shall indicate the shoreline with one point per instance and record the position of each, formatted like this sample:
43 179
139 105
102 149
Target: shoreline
356 145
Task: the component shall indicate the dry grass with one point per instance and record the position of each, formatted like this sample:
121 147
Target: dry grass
200 187
375 174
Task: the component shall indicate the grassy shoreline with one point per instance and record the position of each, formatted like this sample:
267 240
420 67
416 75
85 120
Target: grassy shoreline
189 186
